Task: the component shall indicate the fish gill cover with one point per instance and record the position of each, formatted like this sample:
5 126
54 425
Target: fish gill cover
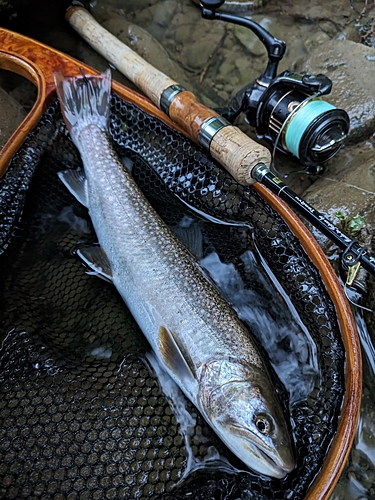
81 413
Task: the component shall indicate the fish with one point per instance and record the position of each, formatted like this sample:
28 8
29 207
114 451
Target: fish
197 336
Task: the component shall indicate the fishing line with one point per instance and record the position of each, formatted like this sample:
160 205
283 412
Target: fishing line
284 125
346 290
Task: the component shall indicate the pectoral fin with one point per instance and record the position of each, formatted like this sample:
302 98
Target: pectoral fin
96 258
75 181
176 362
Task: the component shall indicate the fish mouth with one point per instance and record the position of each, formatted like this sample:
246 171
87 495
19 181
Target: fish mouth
279 470
277 467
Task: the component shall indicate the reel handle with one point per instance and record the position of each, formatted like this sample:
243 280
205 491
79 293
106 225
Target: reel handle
227 144
275 48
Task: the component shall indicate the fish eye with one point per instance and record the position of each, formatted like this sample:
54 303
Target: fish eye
263 424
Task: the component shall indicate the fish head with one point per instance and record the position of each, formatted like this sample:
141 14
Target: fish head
241 405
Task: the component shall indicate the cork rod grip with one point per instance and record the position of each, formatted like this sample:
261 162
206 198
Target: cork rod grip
229 146
233 149
238 153
147 78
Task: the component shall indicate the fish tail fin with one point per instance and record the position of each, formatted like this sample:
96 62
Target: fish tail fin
84 100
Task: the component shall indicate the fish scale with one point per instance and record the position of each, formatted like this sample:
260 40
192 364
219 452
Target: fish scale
194 332
159 263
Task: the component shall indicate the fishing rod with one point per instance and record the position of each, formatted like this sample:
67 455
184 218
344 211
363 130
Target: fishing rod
286 110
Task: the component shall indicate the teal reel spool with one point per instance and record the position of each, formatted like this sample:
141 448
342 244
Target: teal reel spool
307 133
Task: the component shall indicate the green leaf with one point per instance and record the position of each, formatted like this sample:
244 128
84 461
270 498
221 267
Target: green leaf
340 215
357 223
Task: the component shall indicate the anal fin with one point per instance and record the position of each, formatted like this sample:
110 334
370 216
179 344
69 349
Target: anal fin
96 258
76 182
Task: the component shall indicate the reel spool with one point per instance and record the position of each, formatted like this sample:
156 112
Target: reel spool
286 110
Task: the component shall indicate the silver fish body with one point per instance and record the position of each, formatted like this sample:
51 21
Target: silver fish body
195 333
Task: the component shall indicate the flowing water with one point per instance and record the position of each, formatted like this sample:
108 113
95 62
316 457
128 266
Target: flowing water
216 60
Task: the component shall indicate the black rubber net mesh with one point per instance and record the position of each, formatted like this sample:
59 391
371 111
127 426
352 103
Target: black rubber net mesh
81 413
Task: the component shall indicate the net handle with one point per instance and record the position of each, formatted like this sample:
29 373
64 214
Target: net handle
233 149
38 63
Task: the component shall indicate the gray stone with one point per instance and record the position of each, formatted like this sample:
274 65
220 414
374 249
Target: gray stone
347 186
316 39
158 17
351 67
11 115
250 41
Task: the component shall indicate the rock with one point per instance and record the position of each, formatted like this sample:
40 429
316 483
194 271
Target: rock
346 195
250 41
11 115
347 186
197 55
316 39
10 8
147 47
349 32
109 6
351 67
157 18
201 44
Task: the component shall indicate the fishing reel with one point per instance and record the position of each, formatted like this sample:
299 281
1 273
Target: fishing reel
286 110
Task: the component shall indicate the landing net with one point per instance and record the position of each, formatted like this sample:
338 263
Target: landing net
81 414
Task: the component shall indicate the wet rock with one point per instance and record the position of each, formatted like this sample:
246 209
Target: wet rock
351 67
317 11
10 8
157 18
316 39
104 9
11 115
202 42
362 29
349 32
147 47
250 41
197 55
348 186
